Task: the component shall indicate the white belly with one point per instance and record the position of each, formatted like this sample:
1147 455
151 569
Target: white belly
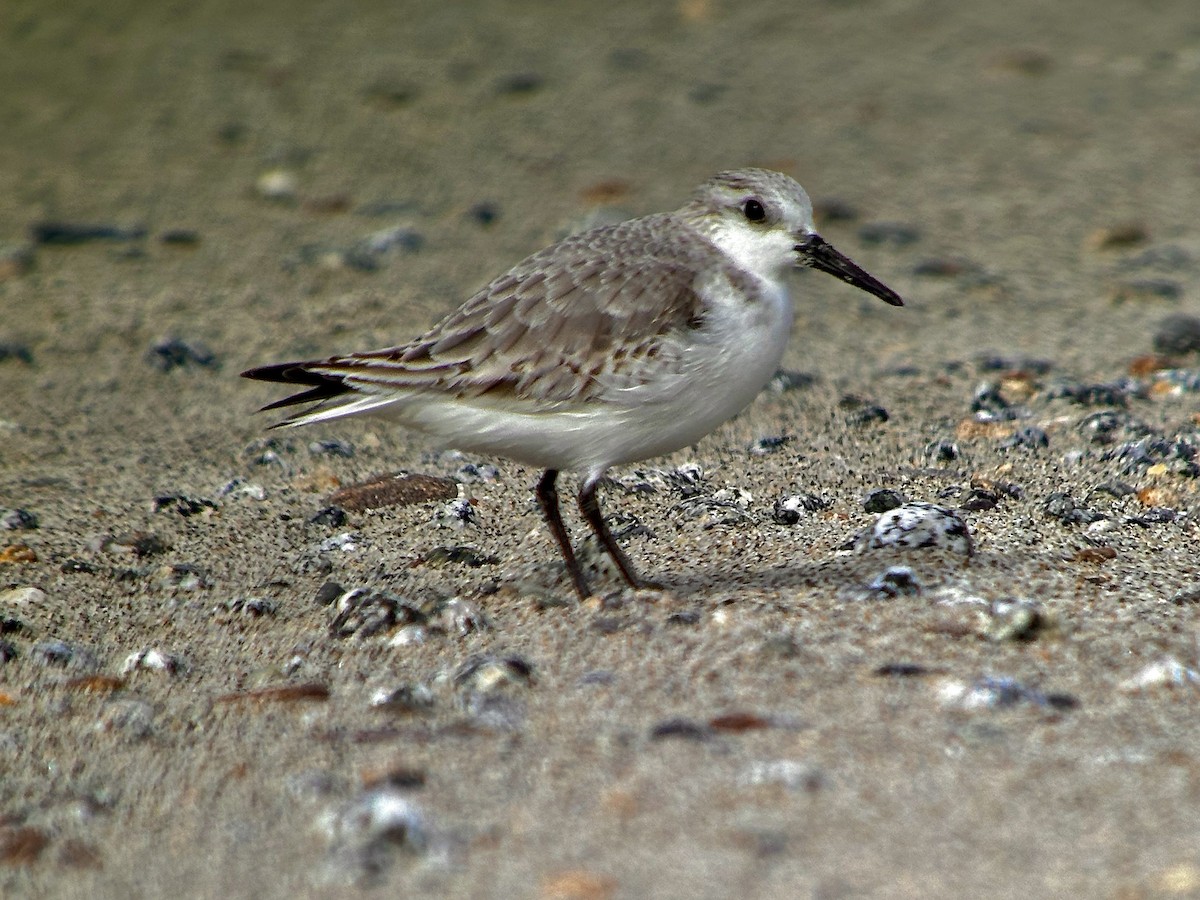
724 367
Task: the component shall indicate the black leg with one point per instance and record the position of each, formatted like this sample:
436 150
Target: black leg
589 505
547 496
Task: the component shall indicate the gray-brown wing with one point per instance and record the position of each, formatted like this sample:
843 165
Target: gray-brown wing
598 311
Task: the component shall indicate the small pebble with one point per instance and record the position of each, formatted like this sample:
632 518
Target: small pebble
279 185
484 213
184 505
997 692
127 716
519 83
407 698
881 500
22 597
66 233
1146 289
896 581
1114 237
895 234
152 660
15 350
251 606
329 516
180 237
176 353
1028 438
767 445
790 509
1177 334
16 260
788 773
1016 620
786 380
394 490
1061 506
1168 672
457 514
362 613
61 653
368 834
921 525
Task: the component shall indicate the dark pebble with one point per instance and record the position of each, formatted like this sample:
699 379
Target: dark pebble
881 500
330 516
788 510
176 353
687 729
942 451
767 445
328 593
943 268
484 213
17 520
902 670
1156 515
895 234
1116 393
992 362
252 606
363 613
78 567
12 625
707 92
180 237
871 414
786 380
519 83
1187 596
981 500
687 617
1061 506
1178 333
60 653
8 651
897 581
834 209
387 93
16 350
80 233
1030 438
185 506
332 447
460 555
1102 427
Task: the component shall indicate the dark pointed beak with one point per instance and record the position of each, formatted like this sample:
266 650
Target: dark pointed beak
815 251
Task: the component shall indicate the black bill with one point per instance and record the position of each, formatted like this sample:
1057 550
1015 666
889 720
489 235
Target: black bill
815 251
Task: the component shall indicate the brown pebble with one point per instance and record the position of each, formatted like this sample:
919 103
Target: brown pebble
96 684
1157 496
1148 364
17 553
319 480
77 854
394 490
578 884
22 846
1114 237
969 428
1097 555
610 191
739 721
1021 61
395 775
284 693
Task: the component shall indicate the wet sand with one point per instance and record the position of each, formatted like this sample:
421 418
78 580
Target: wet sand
307 179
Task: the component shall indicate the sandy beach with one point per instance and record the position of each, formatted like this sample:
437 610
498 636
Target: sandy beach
217 680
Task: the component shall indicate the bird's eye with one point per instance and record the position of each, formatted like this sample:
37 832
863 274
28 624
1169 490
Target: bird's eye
753 210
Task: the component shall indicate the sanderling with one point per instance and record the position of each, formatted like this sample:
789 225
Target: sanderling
614 345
